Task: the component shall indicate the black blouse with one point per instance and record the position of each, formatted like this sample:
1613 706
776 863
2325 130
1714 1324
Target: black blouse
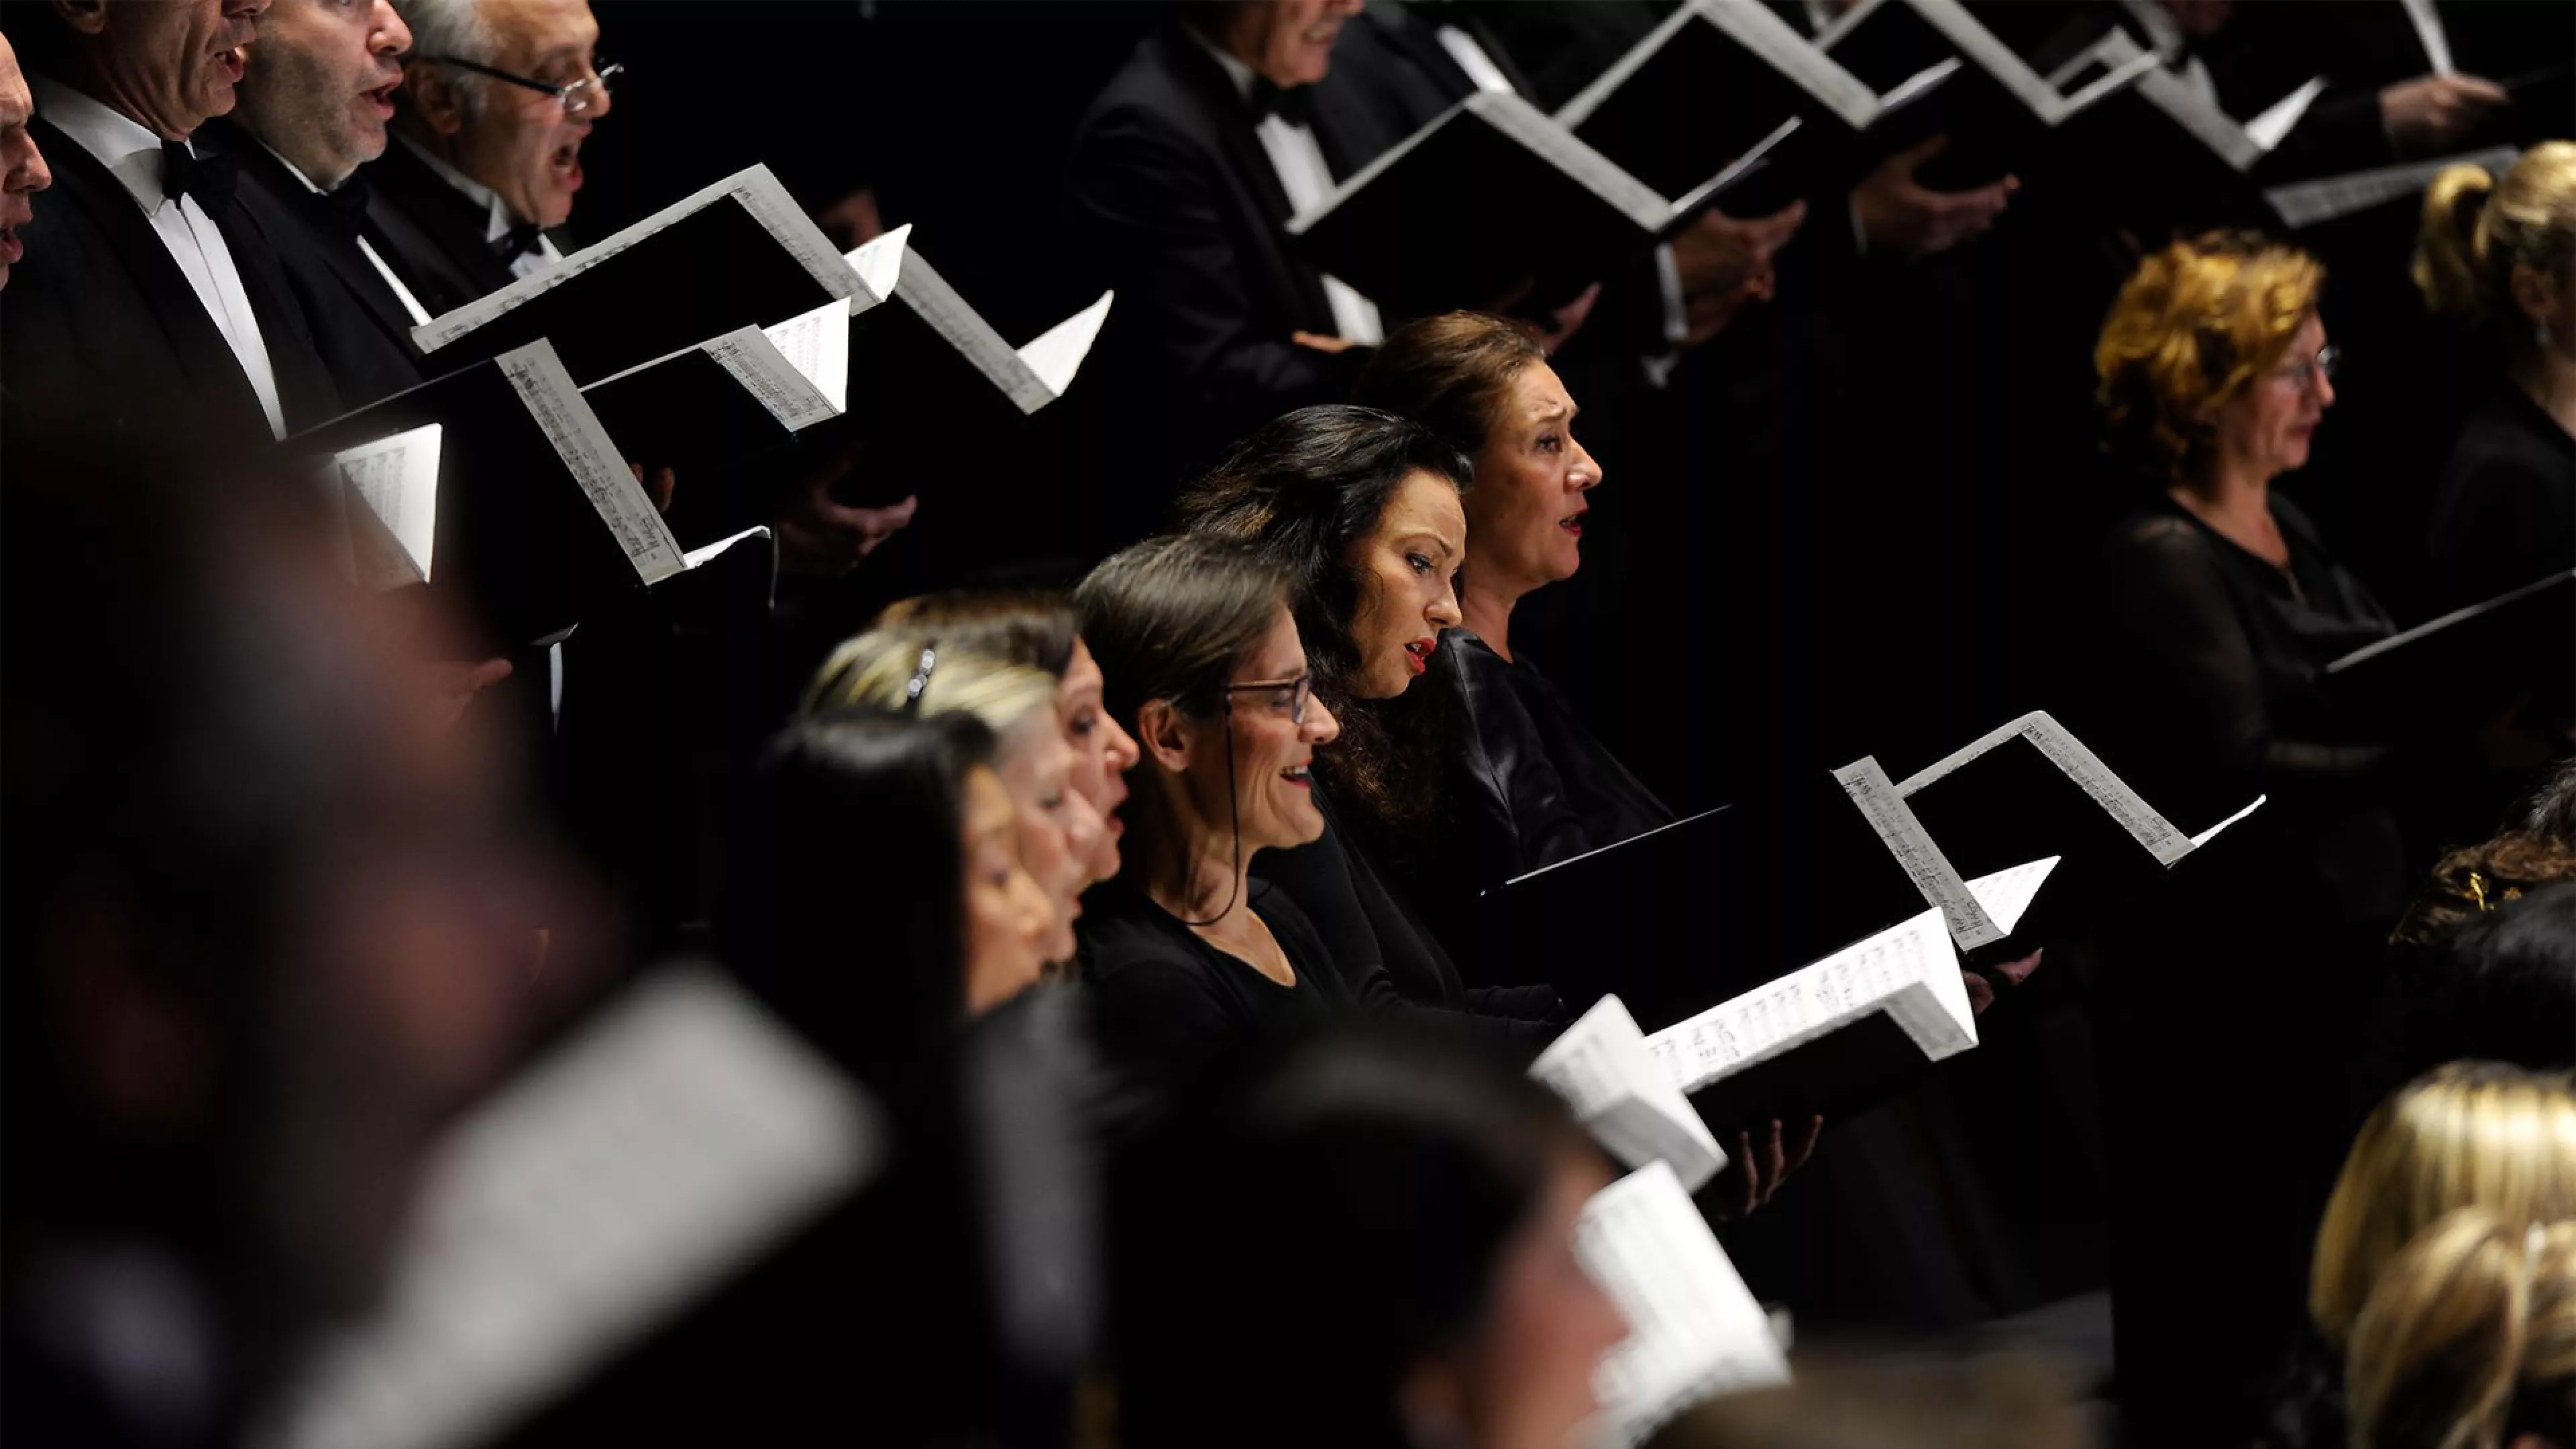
2506 514
2215 664
1167 1004
1533 786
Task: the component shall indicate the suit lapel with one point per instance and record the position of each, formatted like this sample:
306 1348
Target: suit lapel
1227 123
166 294
310 212
430 232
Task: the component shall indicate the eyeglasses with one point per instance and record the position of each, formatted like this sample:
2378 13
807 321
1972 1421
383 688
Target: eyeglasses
1301 689
2307 374
578 97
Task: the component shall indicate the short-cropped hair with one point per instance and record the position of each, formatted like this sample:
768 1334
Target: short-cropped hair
2194 328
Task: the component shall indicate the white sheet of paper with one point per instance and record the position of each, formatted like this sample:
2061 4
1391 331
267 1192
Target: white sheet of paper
1601 1067
817 345
2206 836
584 445
2166 91
2079 764
2267 129
878 262
1883 805
1909 971
2327 198
2006 894
706 552
398 479
680 1134
1694 1330
1056 354
755 190
774 381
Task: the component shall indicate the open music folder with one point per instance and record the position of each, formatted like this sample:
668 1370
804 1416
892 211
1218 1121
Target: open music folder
2000 115
1603 1068
1490 144
1694 1330
933 350
738 253
2460 668
499 487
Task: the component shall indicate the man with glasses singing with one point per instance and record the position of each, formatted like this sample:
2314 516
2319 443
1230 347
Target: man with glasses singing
497 98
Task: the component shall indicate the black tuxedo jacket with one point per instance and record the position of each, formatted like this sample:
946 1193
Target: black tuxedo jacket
104 336
430 233
359 325
1179 209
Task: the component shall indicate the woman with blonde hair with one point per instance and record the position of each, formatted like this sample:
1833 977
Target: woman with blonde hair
2499 254
2468 1340
2468 1134
903 671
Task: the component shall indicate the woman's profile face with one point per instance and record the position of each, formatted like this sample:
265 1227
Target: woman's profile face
1524 1377
1103 754
1059 831
1525 514
1273 747
1405 569
1009 919
2270 427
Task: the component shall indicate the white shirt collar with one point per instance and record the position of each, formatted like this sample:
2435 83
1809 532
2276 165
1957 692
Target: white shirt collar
292 169
1235 70
500 218
121 144
2162 29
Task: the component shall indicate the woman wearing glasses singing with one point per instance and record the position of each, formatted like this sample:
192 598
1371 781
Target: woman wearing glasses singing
1188 959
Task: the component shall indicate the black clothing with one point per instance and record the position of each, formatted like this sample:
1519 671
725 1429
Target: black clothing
430 233
2507 511
1383 947
1168 1005
359 325
106 336
1531 786
1180 210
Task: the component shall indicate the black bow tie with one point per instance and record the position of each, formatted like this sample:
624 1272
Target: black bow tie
345 207
208 178
522 240
1295 105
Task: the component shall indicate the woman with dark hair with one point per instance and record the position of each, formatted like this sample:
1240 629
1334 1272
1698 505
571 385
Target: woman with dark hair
1534 786
877 900
1361 1240
1187 959
1360 508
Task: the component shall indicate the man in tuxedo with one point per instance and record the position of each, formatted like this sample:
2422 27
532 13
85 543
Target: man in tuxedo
498 98
22 166
1184 174
147 301
315 99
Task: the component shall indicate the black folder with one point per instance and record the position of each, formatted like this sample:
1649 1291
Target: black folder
1396 230
738 253
2460 669
520 545
1723 82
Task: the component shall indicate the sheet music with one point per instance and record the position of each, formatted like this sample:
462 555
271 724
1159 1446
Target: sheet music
755 191
1753 27
2327 198
2078 764
1560 148
1883 805
2428 30
1871 974
2166 91
1978 44
2116 79
2267 129
574 430
2007 894
1601 1067
817 345
775 382
1695 1331
1056 354
2206 836
678 1136
938 304
705 553
397 477
2429 627
878 262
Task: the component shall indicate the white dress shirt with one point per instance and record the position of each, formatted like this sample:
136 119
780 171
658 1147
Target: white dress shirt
402 294
498 216
1299 161
133 154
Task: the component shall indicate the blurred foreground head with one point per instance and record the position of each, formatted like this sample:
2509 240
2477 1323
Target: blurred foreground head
269 920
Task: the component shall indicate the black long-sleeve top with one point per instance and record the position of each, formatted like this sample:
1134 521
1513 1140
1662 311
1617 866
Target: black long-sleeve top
2506 514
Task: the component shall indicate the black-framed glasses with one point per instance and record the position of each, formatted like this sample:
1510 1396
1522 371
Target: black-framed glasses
1301 689
2309 372
577 97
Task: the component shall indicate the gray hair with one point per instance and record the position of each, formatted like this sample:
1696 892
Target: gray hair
451 27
